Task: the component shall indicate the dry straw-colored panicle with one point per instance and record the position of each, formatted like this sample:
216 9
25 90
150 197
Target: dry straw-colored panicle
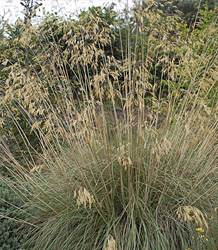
111 243
38 168
123 157
192 214
162 148
83 197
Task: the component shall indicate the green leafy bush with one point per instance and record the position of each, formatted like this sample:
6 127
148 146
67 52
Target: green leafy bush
10 216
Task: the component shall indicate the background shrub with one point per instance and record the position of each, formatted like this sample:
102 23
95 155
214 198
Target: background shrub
10 216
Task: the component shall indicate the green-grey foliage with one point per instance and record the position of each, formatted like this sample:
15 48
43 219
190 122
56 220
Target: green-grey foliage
9 208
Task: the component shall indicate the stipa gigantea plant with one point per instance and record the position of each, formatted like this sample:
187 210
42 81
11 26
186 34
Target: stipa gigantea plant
118 166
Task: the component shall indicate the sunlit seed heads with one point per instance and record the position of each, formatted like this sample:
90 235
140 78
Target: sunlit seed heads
111 244
192 214
83 197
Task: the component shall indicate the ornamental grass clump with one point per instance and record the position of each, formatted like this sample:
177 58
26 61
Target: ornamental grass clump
128 146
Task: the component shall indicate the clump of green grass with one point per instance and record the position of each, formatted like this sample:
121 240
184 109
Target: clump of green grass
122 166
